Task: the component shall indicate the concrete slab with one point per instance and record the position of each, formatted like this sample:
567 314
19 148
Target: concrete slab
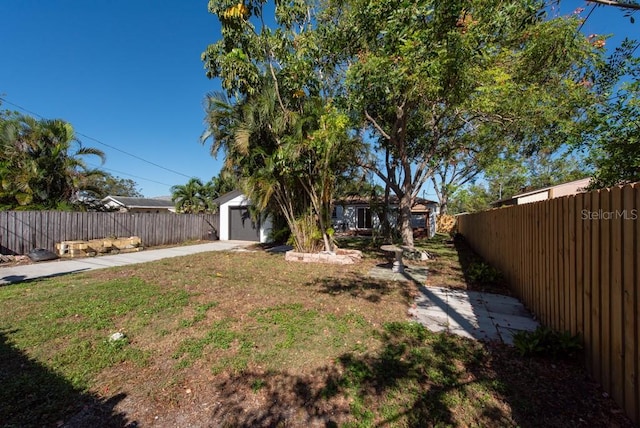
9 275
384 272
472 314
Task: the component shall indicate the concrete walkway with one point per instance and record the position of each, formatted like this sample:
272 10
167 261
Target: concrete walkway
9 275
472 314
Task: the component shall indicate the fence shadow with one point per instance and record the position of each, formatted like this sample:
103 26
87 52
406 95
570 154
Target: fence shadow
33 395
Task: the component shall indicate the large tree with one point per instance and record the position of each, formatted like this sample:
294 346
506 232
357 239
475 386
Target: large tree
42 163
278 128
612 128
108 184
429 78
426 83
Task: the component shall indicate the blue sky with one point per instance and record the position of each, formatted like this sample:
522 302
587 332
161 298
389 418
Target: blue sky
128 74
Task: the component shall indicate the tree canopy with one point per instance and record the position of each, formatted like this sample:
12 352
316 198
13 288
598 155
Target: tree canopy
277 124
410 90
433 82
42 164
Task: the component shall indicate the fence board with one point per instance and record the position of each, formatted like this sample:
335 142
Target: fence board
636 303
616 308
595 292
605 287
21 231
576 266
570 259
546 261
579 255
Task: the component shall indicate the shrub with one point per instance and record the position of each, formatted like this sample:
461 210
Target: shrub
547 342
481 272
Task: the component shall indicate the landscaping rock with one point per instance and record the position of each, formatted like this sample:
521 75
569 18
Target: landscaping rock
343 257
116 337
41 254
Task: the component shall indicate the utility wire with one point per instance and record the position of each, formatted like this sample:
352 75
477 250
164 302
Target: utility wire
100 142
588 15
130 175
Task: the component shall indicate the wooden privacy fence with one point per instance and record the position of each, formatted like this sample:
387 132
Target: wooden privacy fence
22 231
574 261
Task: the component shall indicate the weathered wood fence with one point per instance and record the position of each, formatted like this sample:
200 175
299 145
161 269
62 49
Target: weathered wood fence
574 261
22 231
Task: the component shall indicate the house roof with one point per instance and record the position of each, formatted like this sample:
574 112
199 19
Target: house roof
366 200
128 202
578 183
227 197
582 182
420 204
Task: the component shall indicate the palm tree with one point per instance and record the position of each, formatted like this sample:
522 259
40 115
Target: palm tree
274 151
42 164
188 197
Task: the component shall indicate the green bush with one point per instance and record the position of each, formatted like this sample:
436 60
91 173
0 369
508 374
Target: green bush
547 342
481 272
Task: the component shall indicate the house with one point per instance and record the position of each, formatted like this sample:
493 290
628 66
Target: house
236 222
139 205
557 191
358 213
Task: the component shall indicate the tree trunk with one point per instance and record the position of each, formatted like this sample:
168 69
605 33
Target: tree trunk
444 204
406 231
384 216
328 244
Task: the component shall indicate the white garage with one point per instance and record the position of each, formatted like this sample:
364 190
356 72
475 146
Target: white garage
235 220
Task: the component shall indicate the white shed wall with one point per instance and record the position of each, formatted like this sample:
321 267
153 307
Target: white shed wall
241 201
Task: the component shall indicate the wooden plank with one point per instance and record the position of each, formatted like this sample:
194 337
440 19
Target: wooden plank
579 257
552 252
568 264
616 306
631 278
525 257
558 272
547 264
605 288
553 269
531 260
595 287
540 271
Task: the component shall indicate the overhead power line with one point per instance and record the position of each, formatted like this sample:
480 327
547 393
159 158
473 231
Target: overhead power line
100 142
130 175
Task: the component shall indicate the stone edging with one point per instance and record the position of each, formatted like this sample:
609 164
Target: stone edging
343 257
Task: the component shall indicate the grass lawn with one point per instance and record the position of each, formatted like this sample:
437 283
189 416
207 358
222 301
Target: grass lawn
247 339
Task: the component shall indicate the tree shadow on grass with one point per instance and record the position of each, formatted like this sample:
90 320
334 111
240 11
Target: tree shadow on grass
416 379
33 395
277 398
405 382
363 287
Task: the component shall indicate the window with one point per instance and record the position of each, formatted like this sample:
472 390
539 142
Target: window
418 220
364 218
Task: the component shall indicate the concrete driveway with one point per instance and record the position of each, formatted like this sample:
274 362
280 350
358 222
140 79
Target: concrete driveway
9 275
